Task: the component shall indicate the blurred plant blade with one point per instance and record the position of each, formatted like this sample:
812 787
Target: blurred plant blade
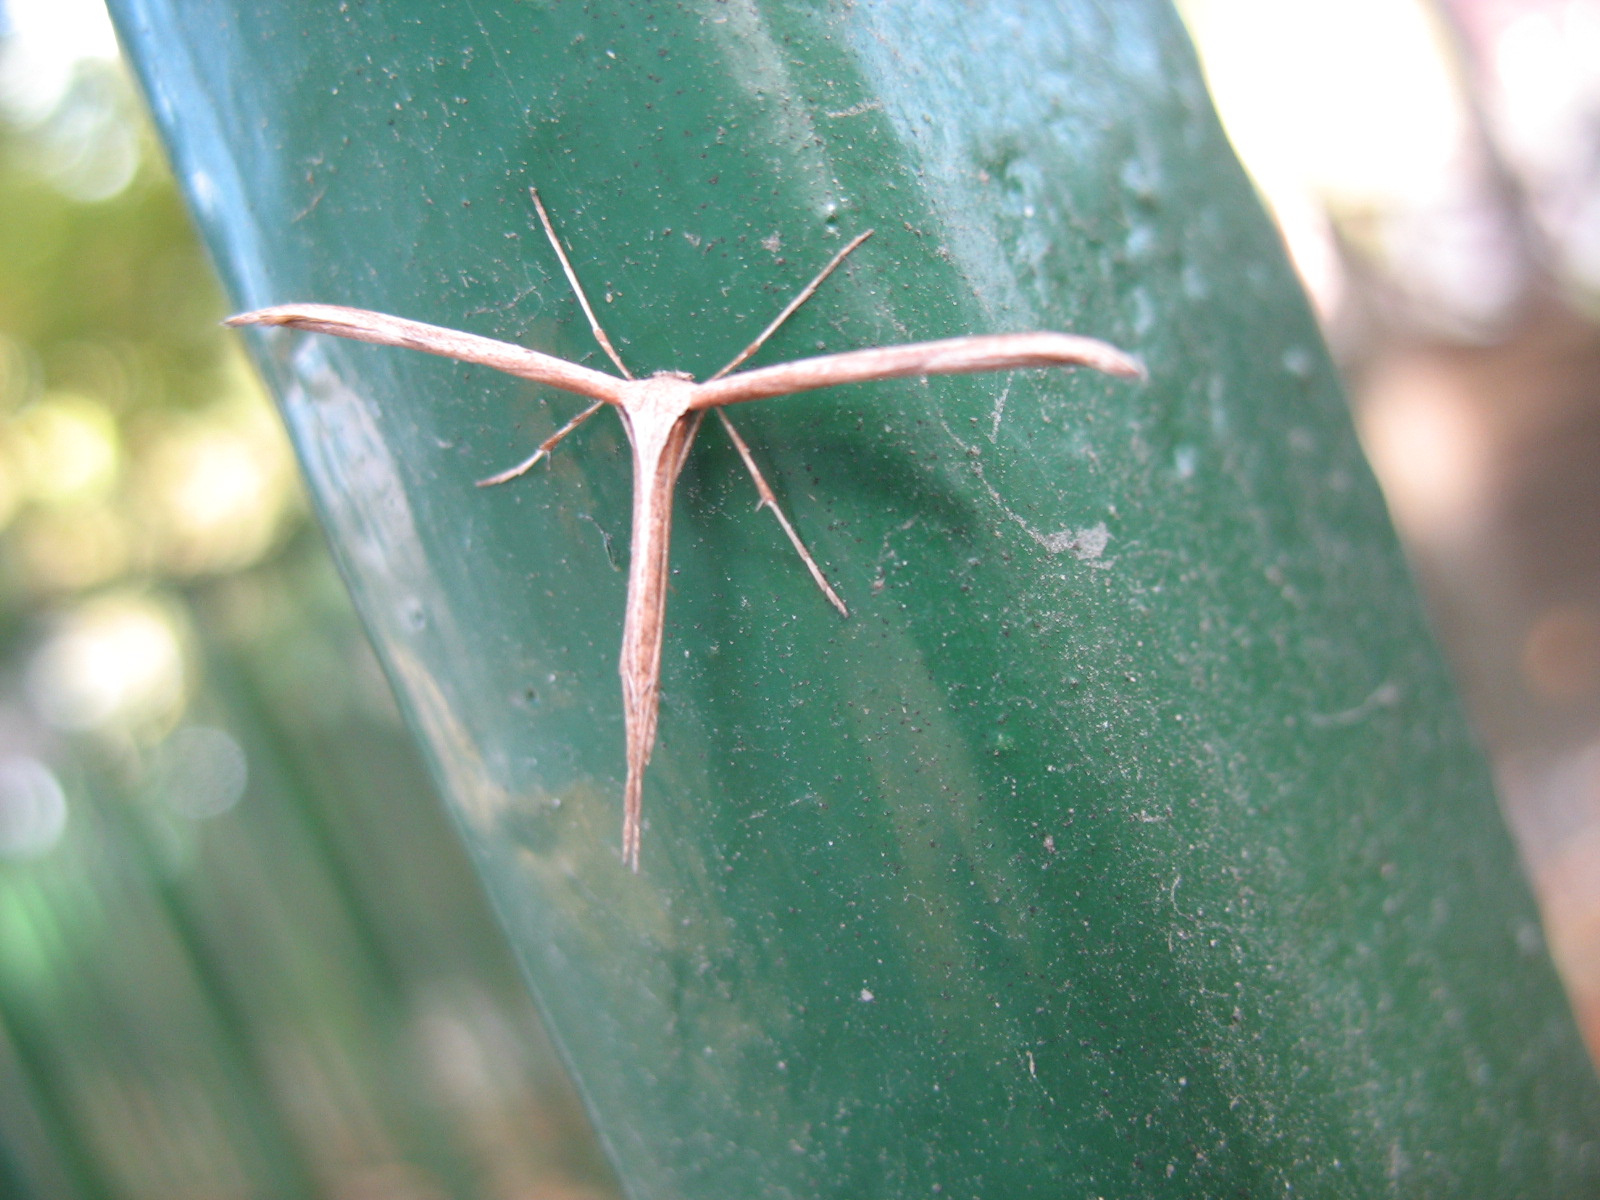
240 950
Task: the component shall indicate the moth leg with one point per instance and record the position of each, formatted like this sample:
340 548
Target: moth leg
768 500
549 444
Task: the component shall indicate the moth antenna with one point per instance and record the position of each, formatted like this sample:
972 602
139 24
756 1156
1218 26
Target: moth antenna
577 288
805 294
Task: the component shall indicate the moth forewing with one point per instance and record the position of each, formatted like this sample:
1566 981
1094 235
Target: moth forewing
661 429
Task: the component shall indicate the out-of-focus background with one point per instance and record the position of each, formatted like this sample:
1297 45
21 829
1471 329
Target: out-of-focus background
239 949
1435 168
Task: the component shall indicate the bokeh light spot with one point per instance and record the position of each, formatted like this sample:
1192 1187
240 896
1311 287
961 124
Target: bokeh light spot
201 771
117 660
65 449
33 807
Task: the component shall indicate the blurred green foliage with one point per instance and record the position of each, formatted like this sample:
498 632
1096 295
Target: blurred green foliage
240 950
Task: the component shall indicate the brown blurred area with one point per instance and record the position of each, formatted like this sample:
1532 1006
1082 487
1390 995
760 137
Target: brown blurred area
1435 168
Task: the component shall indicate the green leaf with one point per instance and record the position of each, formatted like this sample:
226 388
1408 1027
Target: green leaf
1128 836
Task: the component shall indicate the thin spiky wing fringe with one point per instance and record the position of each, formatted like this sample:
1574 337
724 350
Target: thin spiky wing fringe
948 356
381 329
